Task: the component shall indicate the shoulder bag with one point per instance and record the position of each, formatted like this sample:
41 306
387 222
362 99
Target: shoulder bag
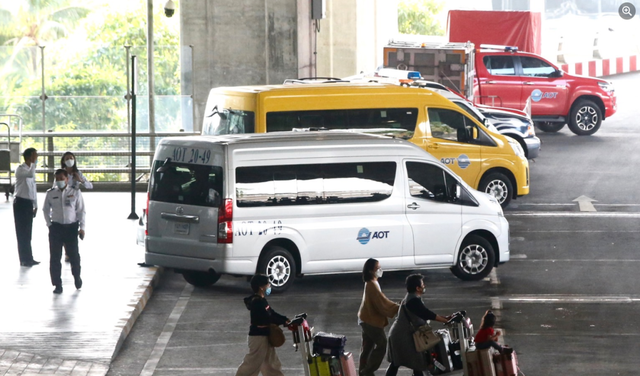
276 335
423 336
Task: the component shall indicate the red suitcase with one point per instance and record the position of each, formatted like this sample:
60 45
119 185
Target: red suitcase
348 366
506 364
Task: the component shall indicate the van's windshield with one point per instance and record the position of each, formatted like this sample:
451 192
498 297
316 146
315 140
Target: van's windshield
228 121
399 122
187 184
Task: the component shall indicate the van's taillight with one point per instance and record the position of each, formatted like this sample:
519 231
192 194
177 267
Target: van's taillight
225 219
146 230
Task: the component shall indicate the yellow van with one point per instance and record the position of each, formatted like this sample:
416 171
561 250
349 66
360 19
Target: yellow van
489 162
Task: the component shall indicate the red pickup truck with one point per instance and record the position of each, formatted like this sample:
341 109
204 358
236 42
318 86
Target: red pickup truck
502 76
556 97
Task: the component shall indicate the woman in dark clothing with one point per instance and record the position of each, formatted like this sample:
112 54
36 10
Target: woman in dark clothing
262 357
402 351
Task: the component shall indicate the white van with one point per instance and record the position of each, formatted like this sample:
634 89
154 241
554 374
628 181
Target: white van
292 203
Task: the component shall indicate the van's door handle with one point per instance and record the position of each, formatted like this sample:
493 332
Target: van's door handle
180 217
528 83
413 206
492 82
433 145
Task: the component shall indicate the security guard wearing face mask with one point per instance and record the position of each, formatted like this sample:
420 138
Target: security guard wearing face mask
64 214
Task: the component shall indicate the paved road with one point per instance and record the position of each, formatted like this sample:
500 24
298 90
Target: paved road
566 301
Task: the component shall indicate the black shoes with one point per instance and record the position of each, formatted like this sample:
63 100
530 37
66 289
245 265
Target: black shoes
58 289
29 263
78 282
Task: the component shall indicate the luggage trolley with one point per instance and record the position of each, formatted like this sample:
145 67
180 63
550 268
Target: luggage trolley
9 153
302 336
5 164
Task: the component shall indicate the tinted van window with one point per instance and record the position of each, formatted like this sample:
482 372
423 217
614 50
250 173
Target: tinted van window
186 184
401 119
430 182
313 184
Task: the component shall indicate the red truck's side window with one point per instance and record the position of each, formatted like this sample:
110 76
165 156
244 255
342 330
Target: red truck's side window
535 67
499 65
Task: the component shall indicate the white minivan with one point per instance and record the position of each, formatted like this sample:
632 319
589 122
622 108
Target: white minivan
288 204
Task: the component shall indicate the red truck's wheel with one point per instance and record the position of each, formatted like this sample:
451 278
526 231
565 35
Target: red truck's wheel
547 126
586 118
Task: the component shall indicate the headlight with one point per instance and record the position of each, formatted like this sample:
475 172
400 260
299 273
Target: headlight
606 86
517 148
531 130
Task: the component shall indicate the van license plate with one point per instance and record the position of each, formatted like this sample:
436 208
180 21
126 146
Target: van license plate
181 228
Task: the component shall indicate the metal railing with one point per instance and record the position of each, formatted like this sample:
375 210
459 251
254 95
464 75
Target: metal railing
101 156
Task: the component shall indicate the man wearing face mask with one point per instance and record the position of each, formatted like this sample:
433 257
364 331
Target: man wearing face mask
25 205
262 357
64 214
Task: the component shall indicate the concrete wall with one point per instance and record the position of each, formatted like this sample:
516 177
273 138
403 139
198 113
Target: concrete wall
253 42
237 42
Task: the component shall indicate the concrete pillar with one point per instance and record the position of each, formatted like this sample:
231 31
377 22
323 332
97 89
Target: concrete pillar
351 38
253 42
238 42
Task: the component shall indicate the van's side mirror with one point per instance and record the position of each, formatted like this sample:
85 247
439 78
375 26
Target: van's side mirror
458 191
474 132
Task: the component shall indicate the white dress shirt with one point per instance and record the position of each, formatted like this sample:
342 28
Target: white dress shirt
26 183
76 184
64 206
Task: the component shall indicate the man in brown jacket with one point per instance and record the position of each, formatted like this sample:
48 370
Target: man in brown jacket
373 315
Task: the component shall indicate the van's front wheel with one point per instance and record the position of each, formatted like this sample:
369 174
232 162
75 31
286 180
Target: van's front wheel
475 259
499 186
278 264
201 279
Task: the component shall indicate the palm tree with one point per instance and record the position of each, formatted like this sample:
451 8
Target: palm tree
29 23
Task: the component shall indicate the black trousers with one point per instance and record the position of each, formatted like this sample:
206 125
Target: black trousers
23 219
392 370
67 236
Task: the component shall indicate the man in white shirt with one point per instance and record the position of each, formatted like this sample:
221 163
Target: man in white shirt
64 214
25 205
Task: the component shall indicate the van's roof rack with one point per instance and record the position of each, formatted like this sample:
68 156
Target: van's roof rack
309 80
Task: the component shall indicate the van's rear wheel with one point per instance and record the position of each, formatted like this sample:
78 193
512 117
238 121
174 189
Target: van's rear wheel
201 279
549 126
475 259
499 186
278 264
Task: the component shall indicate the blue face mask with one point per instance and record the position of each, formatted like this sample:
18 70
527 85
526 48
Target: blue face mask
267 292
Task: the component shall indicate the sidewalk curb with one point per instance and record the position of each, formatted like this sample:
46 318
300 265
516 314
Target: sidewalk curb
139 302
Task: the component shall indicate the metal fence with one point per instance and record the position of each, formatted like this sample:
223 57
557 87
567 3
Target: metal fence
56 107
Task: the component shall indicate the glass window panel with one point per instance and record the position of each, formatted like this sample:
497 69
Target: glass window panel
499 65
181 183
314 183
535 67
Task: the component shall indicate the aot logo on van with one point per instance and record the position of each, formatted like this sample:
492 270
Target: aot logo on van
463 161
538 94
364 235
